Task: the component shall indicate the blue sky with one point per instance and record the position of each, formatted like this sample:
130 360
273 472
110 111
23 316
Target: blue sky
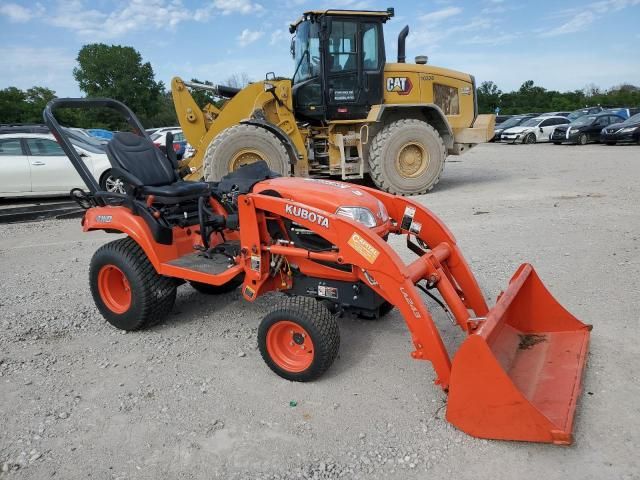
560 45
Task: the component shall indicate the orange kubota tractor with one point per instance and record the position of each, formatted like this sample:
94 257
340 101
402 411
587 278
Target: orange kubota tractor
517 375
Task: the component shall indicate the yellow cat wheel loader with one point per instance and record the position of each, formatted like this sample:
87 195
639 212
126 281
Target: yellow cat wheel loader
346 112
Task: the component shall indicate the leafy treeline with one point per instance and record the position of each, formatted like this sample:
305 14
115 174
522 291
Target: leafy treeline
532 98
119 72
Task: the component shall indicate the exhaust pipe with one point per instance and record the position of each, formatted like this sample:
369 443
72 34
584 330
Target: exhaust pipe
401 41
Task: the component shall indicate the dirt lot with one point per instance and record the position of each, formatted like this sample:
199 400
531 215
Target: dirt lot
192 398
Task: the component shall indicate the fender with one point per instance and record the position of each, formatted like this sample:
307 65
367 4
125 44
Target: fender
438 118
121 220
278 132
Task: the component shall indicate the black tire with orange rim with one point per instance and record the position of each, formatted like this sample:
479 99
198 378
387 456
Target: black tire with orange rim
127 290
299 340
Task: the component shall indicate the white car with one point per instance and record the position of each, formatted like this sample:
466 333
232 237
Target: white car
538 129
33 165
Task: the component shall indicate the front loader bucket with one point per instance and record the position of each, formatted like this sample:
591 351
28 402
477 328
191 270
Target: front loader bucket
519 375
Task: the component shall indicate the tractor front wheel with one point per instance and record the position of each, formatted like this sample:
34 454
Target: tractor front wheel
241 145
299 341
407 157
127 290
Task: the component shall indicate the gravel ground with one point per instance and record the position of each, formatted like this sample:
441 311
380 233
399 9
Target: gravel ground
191 398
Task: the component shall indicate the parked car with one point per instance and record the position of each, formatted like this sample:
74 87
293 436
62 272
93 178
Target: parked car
584 129
584 111
179 142
100 133
623 111
501 118
33 164
509 123
555 114
537 129
625 132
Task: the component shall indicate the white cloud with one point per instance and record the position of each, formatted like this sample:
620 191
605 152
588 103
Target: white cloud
441 14
135 16
578 23
579 19
489 39
17 13
244 7
247 37
278 36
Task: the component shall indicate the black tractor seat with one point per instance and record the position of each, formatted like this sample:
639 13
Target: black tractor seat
147 171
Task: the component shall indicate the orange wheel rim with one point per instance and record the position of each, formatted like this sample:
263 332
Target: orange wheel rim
290 346
114 289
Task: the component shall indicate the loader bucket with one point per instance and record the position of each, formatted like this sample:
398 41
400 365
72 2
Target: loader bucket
519 374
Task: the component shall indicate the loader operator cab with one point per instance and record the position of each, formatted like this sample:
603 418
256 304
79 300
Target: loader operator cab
339 60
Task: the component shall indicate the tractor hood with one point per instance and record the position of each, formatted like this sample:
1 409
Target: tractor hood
327 195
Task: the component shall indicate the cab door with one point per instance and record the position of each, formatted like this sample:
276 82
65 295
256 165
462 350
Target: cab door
51 170
15 175
353 68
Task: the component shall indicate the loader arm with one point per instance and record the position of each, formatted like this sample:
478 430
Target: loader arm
270 102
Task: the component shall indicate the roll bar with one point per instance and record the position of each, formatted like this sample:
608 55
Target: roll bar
63 139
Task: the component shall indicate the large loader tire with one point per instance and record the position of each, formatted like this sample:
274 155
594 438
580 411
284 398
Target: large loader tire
407 157
240 145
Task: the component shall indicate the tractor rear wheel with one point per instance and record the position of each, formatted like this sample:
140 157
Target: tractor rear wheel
241 145
407 157
126 288
299 341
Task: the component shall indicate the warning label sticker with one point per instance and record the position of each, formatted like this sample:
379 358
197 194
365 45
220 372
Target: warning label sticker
407 218
364 248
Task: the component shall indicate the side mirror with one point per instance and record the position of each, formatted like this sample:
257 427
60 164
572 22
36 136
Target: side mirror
541 130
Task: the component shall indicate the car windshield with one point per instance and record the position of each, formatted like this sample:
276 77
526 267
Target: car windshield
574 115
155 136
511 122
88 143
532 122
634 119
584 120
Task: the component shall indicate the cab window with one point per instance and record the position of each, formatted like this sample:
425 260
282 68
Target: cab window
370 46
343 52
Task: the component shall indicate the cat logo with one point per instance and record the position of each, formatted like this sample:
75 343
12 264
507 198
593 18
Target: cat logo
399 85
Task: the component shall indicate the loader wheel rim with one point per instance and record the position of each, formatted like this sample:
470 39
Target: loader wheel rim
412 160
114 289
245 157
290 346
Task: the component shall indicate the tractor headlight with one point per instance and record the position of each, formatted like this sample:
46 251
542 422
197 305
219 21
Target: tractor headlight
359 214
383 214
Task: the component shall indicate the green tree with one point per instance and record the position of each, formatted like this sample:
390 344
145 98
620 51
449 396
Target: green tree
488 96
118 72
12 102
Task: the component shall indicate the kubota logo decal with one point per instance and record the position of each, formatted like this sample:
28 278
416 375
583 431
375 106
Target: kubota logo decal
305 214
407 298
400 85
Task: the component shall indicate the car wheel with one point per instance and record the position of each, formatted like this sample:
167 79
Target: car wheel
610 143
582 139
108 183
530 138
